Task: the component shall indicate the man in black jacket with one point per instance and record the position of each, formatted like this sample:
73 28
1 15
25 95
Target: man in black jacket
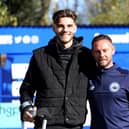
57 76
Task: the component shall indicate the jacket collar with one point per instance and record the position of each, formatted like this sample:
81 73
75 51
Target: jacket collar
77 42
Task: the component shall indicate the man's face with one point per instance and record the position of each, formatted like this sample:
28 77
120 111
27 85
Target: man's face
103 51
65 29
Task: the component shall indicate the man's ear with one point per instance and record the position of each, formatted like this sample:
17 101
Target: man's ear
113 50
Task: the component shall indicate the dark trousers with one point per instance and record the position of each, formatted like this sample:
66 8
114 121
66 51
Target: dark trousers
39 122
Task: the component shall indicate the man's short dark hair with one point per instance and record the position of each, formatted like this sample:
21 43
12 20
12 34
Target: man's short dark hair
101 37
64 13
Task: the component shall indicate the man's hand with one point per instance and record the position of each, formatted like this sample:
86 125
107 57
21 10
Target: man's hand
29 114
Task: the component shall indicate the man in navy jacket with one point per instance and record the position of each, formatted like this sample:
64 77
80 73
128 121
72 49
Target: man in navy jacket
108 93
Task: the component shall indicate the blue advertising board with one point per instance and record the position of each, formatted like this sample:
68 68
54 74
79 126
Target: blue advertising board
119 35
25 39
9 115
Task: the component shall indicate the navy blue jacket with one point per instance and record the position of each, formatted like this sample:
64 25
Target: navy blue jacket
108 96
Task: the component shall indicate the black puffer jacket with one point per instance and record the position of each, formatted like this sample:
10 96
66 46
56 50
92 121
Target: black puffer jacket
60 95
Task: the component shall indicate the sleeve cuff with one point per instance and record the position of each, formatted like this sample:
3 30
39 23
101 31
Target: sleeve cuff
26 104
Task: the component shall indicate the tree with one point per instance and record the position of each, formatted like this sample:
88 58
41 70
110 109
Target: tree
44 21
111 12
37 12
5 17
29 13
